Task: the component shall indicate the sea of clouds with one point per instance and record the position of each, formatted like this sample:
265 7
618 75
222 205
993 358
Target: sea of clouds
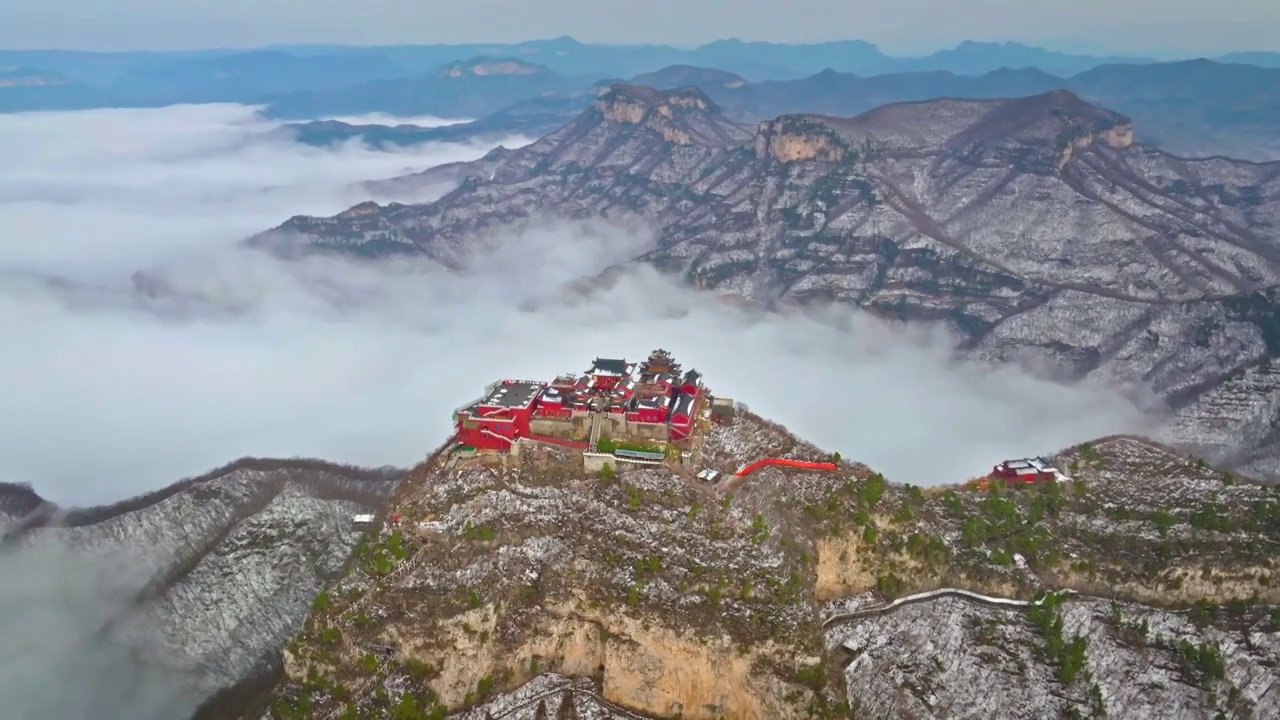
109 394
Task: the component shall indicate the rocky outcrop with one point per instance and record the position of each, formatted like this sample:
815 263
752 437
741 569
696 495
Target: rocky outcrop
642 665
798 139
1084 125
840 569
18 501
675 115
1120 136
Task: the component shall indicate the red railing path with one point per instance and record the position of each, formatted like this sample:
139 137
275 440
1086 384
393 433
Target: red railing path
786 462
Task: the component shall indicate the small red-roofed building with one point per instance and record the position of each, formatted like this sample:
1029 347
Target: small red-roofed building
1026 470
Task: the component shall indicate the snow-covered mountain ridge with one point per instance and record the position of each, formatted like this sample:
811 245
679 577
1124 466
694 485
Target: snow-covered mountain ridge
202 581
1033 226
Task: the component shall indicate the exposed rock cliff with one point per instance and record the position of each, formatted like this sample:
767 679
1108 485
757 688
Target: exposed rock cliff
538 592
1033 226
666 113
799 138
1038 134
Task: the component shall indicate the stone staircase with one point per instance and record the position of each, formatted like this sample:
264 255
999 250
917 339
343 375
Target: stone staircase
596 426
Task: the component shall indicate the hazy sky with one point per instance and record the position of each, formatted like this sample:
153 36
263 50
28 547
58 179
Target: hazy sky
905 26
111 393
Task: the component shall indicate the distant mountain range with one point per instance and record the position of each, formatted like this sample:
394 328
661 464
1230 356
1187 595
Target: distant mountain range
1195 108
65 81
466 89
76 79
1035 227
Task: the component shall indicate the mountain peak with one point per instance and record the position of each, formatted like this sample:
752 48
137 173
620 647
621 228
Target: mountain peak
688 97
18 500
1043 130
1059 106
675 114
685 75
1059 116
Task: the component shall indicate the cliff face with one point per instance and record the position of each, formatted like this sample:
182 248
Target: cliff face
536 591
215 573
1034 227
798 139
661 112
1117 137
656 670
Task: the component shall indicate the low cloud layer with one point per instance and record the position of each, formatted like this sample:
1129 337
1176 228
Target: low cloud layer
378 118
363 363
60 656
91 194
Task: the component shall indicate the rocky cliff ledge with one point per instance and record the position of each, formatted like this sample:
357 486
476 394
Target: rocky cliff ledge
659 110
1116 136
797 138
